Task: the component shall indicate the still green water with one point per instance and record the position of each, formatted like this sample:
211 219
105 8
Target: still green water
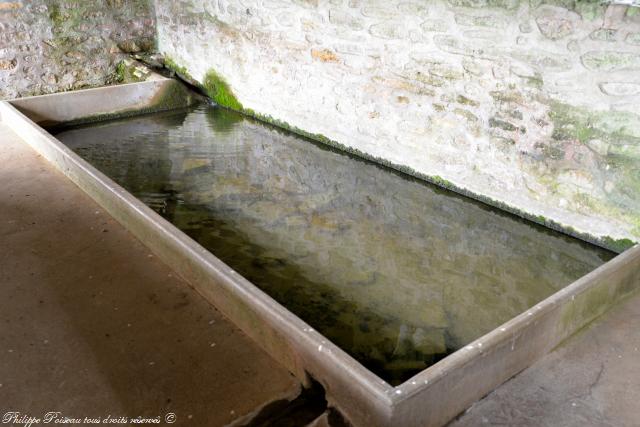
396 272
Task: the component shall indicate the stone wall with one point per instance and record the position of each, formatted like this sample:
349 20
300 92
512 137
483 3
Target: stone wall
527 104
49 46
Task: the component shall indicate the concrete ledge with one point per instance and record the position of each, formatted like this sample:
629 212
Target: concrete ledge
432 397
90 105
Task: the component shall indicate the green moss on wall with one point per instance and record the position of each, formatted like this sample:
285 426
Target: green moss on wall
170 64
129 71
120 73
218 89
617 245
213 85
55 15
608 140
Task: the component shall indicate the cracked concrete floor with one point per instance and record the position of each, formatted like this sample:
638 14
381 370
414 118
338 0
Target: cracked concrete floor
593 379
91 324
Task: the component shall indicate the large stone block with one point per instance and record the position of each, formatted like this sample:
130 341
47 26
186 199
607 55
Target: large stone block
620 89
611 60
556 23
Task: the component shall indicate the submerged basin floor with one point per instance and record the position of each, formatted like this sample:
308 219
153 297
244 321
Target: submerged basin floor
395 271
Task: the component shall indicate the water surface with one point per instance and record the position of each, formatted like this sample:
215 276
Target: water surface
396 272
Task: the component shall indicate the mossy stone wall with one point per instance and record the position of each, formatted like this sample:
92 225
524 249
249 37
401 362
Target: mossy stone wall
49 46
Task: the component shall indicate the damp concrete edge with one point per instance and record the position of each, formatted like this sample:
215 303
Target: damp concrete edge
465 376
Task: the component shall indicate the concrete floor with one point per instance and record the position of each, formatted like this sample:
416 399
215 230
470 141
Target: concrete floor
91 324
593 379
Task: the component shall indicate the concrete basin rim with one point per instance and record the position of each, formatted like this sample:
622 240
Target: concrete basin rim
294 329
158 79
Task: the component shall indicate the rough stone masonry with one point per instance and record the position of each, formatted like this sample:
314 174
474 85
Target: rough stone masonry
527 104
50 46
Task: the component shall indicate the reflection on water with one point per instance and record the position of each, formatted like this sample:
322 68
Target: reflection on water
396 272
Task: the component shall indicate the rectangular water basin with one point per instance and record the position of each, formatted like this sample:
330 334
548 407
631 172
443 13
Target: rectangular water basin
406 301
396 272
